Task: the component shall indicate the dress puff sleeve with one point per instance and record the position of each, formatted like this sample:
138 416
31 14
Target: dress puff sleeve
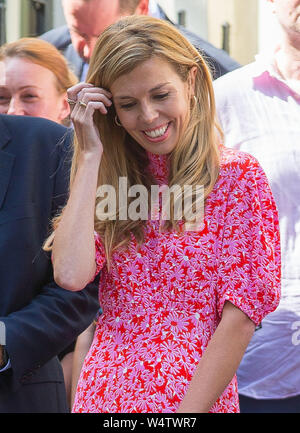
250 264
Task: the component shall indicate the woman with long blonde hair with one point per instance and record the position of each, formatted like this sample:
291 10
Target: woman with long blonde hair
181 291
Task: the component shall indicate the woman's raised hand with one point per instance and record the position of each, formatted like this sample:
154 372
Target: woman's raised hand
73 252
84 100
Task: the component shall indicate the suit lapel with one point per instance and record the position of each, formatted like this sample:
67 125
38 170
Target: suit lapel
6 161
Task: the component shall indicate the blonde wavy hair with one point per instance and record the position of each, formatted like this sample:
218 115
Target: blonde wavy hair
195 160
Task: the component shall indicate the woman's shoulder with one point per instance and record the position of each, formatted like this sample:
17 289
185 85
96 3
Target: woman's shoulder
236 164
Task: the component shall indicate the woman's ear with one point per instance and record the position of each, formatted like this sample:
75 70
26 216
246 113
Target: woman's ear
64 109
192 79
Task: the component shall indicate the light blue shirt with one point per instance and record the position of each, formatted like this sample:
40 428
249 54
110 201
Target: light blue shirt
84 71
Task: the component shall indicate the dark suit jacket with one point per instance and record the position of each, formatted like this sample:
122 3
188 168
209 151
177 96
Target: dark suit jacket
41 318
219 61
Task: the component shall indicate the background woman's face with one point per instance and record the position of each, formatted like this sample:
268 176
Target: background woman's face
28 89
152 103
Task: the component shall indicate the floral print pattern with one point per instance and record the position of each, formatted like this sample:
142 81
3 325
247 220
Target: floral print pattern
162 302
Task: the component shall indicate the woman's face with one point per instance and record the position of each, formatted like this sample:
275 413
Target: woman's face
153 103
28 89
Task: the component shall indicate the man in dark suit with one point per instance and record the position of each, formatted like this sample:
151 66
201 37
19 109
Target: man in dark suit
86 20
38 319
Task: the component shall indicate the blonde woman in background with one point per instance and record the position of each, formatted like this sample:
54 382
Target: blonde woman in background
34 78
179 305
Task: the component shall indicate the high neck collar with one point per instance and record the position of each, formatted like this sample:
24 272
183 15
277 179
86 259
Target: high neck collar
159 166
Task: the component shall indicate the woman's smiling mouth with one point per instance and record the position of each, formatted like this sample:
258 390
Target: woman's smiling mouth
157 134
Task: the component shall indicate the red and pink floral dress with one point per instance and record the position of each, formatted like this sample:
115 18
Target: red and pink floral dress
162 303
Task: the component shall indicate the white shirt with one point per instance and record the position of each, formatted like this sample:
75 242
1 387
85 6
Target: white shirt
153 9
260 114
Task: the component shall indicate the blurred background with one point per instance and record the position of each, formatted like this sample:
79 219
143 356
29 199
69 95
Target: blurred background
241 27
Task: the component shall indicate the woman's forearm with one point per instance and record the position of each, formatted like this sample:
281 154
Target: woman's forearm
74 246
219 361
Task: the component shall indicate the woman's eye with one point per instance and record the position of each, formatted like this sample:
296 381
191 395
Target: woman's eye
29 96
162 95
127 106
4 99
159 96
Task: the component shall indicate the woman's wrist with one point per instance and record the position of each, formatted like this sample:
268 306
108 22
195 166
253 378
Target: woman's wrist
93 158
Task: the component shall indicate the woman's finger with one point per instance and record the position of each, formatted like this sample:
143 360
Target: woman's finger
95 90
86 97
83 113
86 132
72 93
92 106
74 90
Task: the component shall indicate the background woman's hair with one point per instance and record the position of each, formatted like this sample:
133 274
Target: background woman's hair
195 160
44 54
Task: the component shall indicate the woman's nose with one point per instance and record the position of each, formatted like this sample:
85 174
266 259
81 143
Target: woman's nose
15 107
148 113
